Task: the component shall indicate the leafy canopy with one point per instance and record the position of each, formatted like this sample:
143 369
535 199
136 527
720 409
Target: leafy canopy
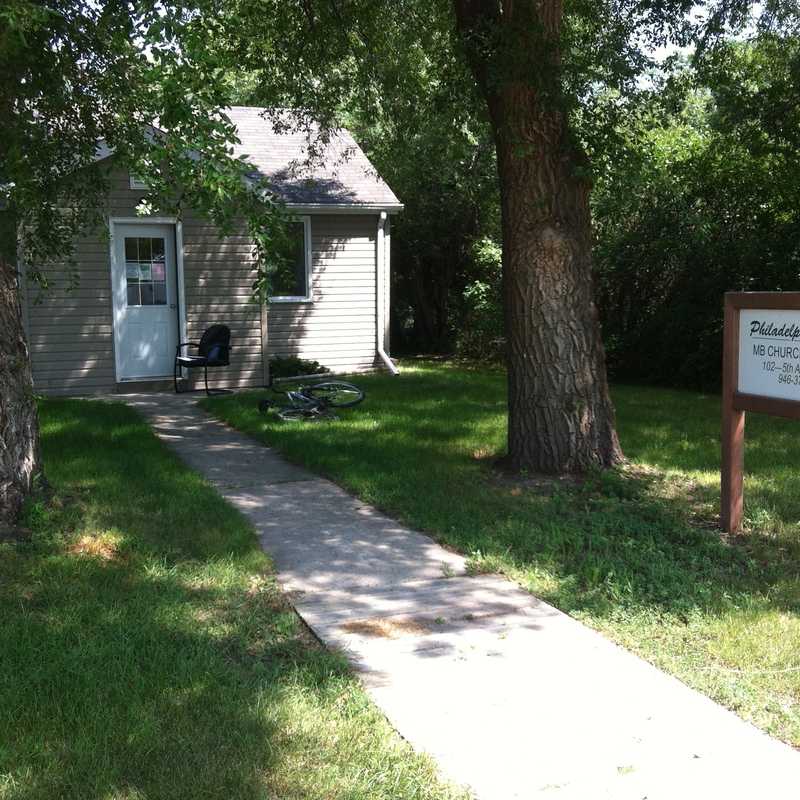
705 201
76 73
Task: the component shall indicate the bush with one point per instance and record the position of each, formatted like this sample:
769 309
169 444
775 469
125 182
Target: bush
290 367
479 329
708 202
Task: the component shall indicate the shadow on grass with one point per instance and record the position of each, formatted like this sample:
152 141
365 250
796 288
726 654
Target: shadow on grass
624 541
145 650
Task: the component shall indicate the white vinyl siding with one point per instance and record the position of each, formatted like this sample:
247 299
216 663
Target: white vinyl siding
338 327
217 276
71 335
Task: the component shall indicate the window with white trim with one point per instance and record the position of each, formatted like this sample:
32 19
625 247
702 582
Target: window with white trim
137 183
290 278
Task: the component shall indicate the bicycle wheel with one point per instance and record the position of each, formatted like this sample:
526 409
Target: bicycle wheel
309 414
336 394
295 414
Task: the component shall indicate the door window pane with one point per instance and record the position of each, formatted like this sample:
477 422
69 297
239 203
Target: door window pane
147 293
145 249
146 271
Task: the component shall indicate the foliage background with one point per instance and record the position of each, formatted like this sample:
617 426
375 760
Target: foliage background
695 194
705 202
694 163
694 166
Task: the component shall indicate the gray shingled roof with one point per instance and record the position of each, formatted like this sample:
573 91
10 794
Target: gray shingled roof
337 173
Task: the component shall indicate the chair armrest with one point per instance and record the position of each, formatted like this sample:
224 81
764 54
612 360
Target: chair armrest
185 344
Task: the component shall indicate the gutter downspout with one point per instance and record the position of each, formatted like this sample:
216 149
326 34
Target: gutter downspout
382 270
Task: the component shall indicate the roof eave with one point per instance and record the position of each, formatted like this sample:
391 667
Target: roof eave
345 208
104 151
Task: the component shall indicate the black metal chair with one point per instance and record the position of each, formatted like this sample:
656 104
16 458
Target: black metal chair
213 350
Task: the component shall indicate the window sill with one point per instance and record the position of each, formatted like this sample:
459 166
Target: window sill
291 299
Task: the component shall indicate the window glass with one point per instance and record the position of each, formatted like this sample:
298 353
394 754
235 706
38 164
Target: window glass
137 183
289 276
145 271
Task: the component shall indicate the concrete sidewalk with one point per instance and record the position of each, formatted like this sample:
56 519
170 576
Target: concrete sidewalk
509 695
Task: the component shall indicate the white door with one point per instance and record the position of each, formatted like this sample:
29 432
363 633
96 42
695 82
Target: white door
144 283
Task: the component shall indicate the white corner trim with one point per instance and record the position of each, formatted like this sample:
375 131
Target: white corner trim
182 335
112 263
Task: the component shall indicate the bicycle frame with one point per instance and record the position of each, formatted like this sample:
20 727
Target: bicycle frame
304 403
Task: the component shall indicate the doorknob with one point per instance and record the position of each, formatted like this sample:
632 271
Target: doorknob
173 305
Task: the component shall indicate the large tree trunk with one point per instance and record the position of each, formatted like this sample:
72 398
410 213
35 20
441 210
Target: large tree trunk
20 461
560 414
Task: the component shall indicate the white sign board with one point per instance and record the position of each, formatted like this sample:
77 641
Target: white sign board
769 353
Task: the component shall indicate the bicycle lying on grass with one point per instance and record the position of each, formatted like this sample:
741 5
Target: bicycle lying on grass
314 401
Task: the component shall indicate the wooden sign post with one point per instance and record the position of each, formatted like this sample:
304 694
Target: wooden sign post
760 372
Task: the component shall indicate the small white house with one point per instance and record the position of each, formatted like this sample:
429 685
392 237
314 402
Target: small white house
152 282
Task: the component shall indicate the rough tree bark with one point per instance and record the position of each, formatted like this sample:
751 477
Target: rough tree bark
560 414
20 460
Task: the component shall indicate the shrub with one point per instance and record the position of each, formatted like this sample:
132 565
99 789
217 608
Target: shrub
290 366
479 332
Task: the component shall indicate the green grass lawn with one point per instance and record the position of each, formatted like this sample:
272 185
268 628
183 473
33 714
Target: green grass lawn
146 651
633 552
